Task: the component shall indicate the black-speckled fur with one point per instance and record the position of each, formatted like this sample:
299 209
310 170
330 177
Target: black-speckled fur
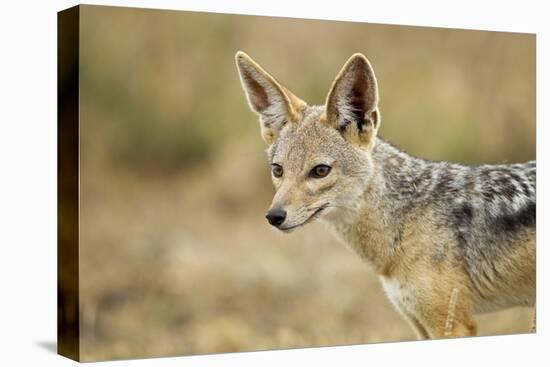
488 207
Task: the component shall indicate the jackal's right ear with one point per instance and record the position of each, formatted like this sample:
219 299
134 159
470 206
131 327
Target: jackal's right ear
352 103
275 104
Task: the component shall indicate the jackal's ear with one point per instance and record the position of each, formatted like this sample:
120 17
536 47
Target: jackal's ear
275 104
352 103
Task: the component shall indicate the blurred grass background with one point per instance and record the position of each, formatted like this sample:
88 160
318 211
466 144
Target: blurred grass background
176 257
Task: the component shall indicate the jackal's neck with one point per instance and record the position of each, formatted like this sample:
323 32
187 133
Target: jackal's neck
398 172
374 227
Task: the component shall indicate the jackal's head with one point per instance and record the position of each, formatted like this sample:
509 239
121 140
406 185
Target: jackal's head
320 156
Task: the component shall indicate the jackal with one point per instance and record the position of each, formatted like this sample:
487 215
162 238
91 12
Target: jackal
446 240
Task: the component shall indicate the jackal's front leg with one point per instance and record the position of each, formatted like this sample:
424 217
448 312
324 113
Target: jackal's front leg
412 320
449 316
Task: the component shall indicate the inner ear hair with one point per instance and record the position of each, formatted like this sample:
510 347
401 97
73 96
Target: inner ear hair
259 100
353 97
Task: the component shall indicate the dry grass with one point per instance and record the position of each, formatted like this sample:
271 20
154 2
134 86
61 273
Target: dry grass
176 257
449 323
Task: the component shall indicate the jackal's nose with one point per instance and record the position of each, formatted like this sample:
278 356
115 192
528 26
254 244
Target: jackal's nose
276 216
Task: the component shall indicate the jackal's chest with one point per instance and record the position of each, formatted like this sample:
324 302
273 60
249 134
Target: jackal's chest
401 295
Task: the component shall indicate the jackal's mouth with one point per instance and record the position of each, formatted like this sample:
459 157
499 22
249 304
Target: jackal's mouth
311 218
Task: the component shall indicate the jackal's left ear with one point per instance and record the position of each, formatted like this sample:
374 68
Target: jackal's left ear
275 104
352 103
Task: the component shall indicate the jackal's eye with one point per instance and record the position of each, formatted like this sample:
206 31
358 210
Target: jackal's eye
320 171
276 170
